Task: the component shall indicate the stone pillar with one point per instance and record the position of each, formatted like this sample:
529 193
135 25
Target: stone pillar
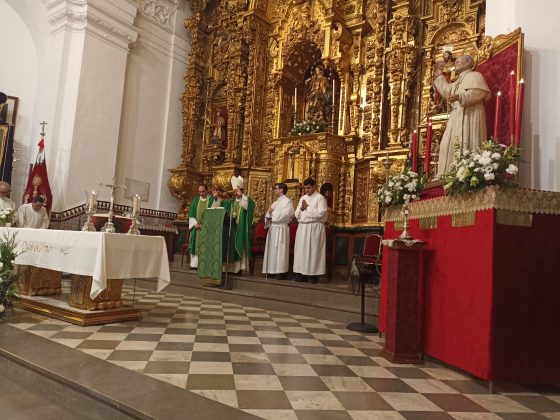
81 94
403 335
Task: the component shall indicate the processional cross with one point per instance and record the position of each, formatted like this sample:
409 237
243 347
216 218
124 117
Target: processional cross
109 226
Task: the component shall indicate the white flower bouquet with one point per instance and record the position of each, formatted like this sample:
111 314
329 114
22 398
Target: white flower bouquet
6 217
400 188
308 127
490 164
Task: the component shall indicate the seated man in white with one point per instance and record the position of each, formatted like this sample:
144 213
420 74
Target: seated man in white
33 215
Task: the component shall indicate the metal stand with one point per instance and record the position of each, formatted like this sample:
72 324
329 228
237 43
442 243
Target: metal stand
88 225
133 230
109 227
362 326
226 285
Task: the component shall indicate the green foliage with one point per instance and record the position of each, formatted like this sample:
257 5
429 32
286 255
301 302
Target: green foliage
490 164
8 279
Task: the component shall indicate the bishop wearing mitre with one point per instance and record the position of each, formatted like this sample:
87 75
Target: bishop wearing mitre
238 228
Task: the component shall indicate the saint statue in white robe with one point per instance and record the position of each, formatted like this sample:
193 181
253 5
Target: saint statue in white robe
277 249
310 248
28 217
466 127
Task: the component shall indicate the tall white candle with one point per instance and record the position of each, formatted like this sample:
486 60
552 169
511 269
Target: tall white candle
91 202
295 100
111 204
333 92
136 204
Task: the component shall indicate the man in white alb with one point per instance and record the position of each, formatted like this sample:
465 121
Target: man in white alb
33 215
277 250
310 248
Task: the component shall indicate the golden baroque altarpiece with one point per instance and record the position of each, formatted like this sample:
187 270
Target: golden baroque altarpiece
251 75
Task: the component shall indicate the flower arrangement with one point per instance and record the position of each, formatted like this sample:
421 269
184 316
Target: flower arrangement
6 217
8 279
490 164
308 127
400 188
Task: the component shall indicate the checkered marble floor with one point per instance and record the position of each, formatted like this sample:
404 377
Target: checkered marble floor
281 366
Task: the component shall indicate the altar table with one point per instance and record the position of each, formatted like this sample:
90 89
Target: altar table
491 276
100 255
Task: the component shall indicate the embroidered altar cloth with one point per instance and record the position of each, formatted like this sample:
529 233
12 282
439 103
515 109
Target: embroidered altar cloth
97 254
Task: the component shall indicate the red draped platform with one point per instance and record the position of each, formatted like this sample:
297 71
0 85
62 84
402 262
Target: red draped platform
491 278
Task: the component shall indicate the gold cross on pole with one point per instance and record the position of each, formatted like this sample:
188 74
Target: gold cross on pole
42 124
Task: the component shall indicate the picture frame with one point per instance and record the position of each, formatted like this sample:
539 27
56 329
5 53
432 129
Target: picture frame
4 135
12 108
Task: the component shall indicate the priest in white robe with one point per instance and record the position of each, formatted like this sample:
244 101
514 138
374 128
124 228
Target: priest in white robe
33 215
310 248
277 249
466 127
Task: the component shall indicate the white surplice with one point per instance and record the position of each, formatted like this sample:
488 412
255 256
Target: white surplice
29 218
311 248
277 250
466 127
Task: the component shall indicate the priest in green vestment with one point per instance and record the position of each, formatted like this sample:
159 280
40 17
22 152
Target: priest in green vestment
238 235
196 215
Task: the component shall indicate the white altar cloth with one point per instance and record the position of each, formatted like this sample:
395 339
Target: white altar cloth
97 254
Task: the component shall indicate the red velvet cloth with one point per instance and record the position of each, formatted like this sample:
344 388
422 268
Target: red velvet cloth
496 71
259 239
491 297
432 192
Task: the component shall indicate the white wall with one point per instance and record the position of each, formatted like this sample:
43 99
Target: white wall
111 111
24 36
540 139
151 126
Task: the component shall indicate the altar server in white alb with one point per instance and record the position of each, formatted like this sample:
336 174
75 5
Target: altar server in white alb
277 250
310 248
33 215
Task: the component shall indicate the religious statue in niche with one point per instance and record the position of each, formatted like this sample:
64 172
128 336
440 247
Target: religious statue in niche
445 67
318 95
219 126
327 192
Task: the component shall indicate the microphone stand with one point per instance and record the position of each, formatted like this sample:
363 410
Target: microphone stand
267 248
226 283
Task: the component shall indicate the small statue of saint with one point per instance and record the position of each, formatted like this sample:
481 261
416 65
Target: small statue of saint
317 95
445 67
218 129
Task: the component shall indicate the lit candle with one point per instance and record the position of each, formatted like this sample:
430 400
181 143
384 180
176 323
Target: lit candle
428 150
295 100
511 107
111 204
497 117
333 92
519 112
414 151
340 111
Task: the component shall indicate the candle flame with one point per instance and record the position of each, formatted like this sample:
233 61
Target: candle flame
512 73
522 81
500 93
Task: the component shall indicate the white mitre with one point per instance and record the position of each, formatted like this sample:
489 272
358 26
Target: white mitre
236 182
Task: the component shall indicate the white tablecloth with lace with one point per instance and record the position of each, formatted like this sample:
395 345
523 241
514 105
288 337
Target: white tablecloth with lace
99 255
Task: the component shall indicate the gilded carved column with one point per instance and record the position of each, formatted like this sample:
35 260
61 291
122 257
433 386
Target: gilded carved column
401 57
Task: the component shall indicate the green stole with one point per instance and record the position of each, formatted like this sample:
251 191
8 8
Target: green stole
197 209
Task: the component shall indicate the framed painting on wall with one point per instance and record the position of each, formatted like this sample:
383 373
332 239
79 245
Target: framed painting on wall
8 111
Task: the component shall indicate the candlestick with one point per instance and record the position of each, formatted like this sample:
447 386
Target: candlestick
511 107
428 150
497 117
414 151
519 112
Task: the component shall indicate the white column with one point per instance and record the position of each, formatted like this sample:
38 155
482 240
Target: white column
82 93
